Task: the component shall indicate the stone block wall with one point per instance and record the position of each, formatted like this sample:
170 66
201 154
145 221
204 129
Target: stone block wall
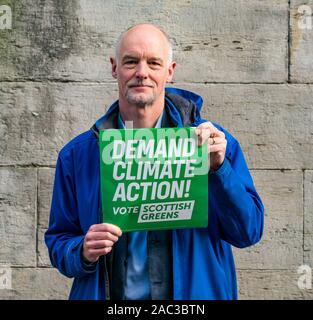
252 61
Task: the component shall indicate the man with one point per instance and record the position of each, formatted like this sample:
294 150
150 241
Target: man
177 264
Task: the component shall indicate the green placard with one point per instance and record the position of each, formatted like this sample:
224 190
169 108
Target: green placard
153 179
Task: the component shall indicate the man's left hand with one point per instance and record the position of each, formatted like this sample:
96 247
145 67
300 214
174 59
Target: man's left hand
216 143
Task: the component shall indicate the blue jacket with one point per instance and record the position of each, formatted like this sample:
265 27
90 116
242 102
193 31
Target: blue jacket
203 264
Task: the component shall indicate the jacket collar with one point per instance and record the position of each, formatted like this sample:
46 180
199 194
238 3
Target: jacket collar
181 106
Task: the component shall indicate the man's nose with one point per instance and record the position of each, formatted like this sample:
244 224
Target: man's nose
142 70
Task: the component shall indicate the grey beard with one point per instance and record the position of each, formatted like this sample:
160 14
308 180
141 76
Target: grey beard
140 102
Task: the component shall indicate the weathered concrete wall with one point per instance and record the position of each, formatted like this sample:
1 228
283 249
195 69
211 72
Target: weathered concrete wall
248 59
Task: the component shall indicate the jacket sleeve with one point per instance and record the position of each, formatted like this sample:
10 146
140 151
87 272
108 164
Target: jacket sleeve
64 237
238 207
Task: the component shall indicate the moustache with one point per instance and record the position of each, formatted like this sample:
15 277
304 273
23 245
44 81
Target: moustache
133 85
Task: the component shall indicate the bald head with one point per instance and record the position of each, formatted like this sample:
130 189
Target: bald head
142 67
145 31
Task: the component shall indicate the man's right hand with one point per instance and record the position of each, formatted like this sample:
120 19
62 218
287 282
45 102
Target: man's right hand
99 240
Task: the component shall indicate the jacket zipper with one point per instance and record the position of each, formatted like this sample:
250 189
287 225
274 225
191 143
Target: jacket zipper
107 281
106 272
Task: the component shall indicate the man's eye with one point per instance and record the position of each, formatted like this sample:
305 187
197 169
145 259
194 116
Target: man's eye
154 63
130 62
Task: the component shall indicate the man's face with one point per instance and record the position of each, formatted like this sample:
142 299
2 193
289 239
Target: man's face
142 67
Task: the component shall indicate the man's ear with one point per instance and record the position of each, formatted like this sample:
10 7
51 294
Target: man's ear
113 64
171 68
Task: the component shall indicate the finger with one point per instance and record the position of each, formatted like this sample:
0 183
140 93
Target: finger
221 147
100 235
204 125
204 136
216 140
99 244
99 252
215 132
106 227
